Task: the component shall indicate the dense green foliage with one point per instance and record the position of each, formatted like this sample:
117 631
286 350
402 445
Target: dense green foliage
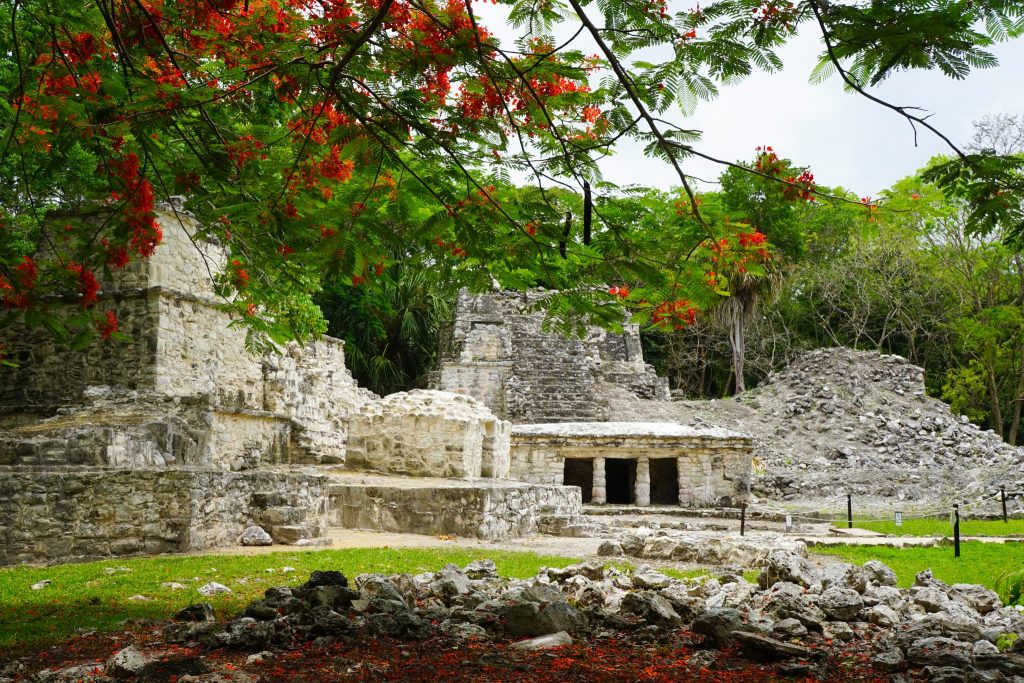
318 138
391 330
909 274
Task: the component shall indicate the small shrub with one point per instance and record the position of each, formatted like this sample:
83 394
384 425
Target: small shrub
1009 586
1006 641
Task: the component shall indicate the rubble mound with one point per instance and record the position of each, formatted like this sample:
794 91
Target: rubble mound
840 421
861 421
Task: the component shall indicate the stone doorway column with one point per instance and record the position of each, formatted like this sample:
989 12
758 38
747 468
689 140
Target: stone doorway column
685 485
598 493
642 492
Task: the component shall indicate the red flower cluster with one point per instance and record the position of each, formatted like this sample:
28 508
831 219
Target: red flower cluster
456 250
108 325
88 286
138 210
245 149
775 14
18 294
748 239
621 292
241 278
801 187
677 314
872 209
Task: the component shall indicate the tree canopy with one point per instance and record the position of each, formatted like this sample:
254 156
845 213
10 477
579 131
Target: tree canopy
321 138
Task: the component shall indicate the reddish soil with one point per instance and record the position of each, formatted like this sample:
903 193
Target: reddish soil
625 657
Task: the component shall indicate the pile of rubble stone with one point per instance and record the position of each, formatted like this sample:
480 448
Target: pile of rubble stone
797 614
839 420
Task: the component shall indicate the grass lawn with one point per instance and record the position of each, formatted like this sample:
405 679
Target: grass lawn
85 596
942 527
979 562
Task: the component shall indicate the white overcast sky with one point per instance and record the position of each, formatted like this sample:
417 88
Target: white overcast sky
844 138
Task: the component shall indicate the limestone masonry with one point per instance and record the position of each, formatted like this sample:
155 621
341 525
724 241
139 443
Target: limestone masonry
183 439
499 354
636 463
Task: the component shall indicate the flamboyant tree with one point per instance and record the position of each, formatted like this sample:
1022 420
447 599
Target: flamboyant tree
317 137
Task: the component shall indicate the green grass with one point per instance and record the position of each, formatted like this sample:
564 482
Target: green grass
942 527
82 596
979 562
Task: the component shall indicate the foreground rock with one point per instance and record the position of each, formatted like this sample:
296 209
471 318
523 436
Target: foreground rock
798 618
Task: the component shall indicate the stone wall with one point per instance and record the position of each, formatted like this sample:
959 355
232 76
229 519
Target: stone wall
183 353
428 434
499 354
488 510
197 354
311 385
51 514
46 375
712 466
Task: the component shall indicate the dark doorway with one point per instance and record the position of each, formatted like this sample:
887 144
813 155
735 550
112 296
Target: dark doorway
620 478
664 481
580 472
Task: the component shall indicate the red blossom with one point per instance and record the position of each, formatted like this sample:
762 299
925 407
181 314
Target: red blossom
88 286
108 325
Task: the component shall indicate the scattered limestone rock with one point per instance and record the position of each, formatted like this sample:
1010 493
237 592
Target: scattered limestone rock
786 566
255 535
763 648
213 588
547 642
610 549
939 652
127 662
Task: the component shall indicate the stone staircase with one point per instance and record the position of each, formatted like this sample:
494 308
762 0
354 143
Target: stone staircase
550 385
286 517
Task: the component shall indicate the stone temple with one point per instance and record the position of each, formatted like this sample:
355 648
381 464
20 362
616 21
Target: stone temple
182 439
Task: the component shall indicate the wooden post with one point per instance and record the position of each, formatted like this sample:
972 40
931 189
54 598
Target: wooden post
1002 495
743 518
849 511
956 530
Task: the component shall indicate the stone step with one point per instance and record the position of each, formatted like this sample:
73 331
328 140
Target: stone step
290 533
279 514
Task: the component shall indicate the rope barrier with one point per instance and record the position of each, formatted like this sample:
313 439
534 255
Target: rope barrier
965 509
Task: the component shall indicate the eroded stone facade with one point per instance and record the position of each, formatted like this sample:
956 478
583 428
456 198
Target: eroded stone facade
176 441
182 438
490 510
59 514
185 364
429 434
499 354
636 463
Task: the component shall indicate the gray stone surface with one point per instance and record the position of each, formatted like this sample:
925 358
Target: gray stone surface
498 353
839 420
429 434
547 642
711 466
488 509
255 535
57 514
